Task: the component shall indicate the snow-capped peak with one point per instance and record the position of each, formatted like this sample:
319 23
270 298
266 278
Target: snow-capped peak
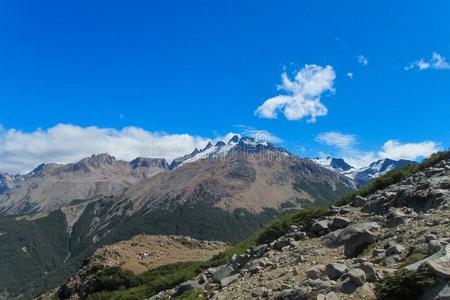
365 174
221 149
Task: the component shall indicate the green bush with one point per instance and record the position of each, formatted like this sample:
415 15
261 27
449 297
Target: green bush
406 284
279 226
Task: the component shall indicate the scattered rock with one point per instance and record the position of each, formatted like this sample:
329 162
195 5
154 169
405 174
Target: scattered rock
229 280
357 276
339 223
355 238
395 249
433 247
335 270
222 272
315 272
292 294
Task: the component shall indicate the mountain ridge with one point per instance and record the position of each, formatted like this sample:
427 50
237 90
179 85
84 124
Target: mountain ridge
362 175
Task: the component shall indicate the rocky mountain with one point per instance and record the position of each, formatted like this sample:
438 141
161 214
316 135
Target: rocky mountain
393 243
6 181
52 186
365 174
225 192
375 169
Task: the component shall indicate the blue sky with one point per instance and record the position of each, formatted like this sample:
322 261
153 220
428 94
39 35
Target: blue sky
203 67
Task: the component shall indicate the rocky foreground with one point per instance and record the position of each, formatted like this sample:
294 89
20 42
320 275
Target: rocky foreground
349 251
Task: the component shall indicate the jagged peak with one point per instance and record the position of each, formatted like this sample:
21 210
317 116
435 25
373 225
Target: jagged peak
234 139
209 145
149 162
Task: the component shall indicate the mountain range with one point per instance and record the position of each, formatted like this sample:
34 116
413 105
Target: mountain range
225 191
362 175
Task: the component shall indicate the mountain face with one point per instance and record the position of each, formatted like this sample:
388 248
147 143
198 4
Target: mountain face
225 191
51 186
375 169
366 174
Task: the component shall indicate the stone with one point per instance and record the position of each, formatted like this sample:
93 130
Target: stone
298 235
292 294
281 243
339 223
222 272
391 260
259 250
358 243
187 286
229 280
321 297
397 221
335 270
347 286
332 296
355 238
378 253
321 286
357 276
395 249
430 237
359 201
315 272
319 227
260 292
433 247
371 273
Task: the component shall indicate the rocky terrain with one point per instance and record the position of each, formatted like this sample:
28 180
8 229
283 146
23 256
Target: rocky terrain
392 244
52 186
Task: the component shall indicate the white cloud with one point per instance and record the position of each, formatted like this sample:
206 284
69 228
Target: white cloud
350 75
21 151
437 62
346 148
258 134
302 98
395 150
334 138
363 60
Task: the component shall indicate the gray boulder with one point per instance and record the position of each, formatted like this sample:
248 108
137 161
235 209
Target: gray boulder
339 223
187 286
229 280
357 276
315 272
292 294
222 272
395 249
433 247
359 201
335 270
371 273
320 227
355 238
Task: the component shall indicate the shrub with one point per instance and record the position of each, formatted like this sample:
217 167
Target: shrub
406 284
